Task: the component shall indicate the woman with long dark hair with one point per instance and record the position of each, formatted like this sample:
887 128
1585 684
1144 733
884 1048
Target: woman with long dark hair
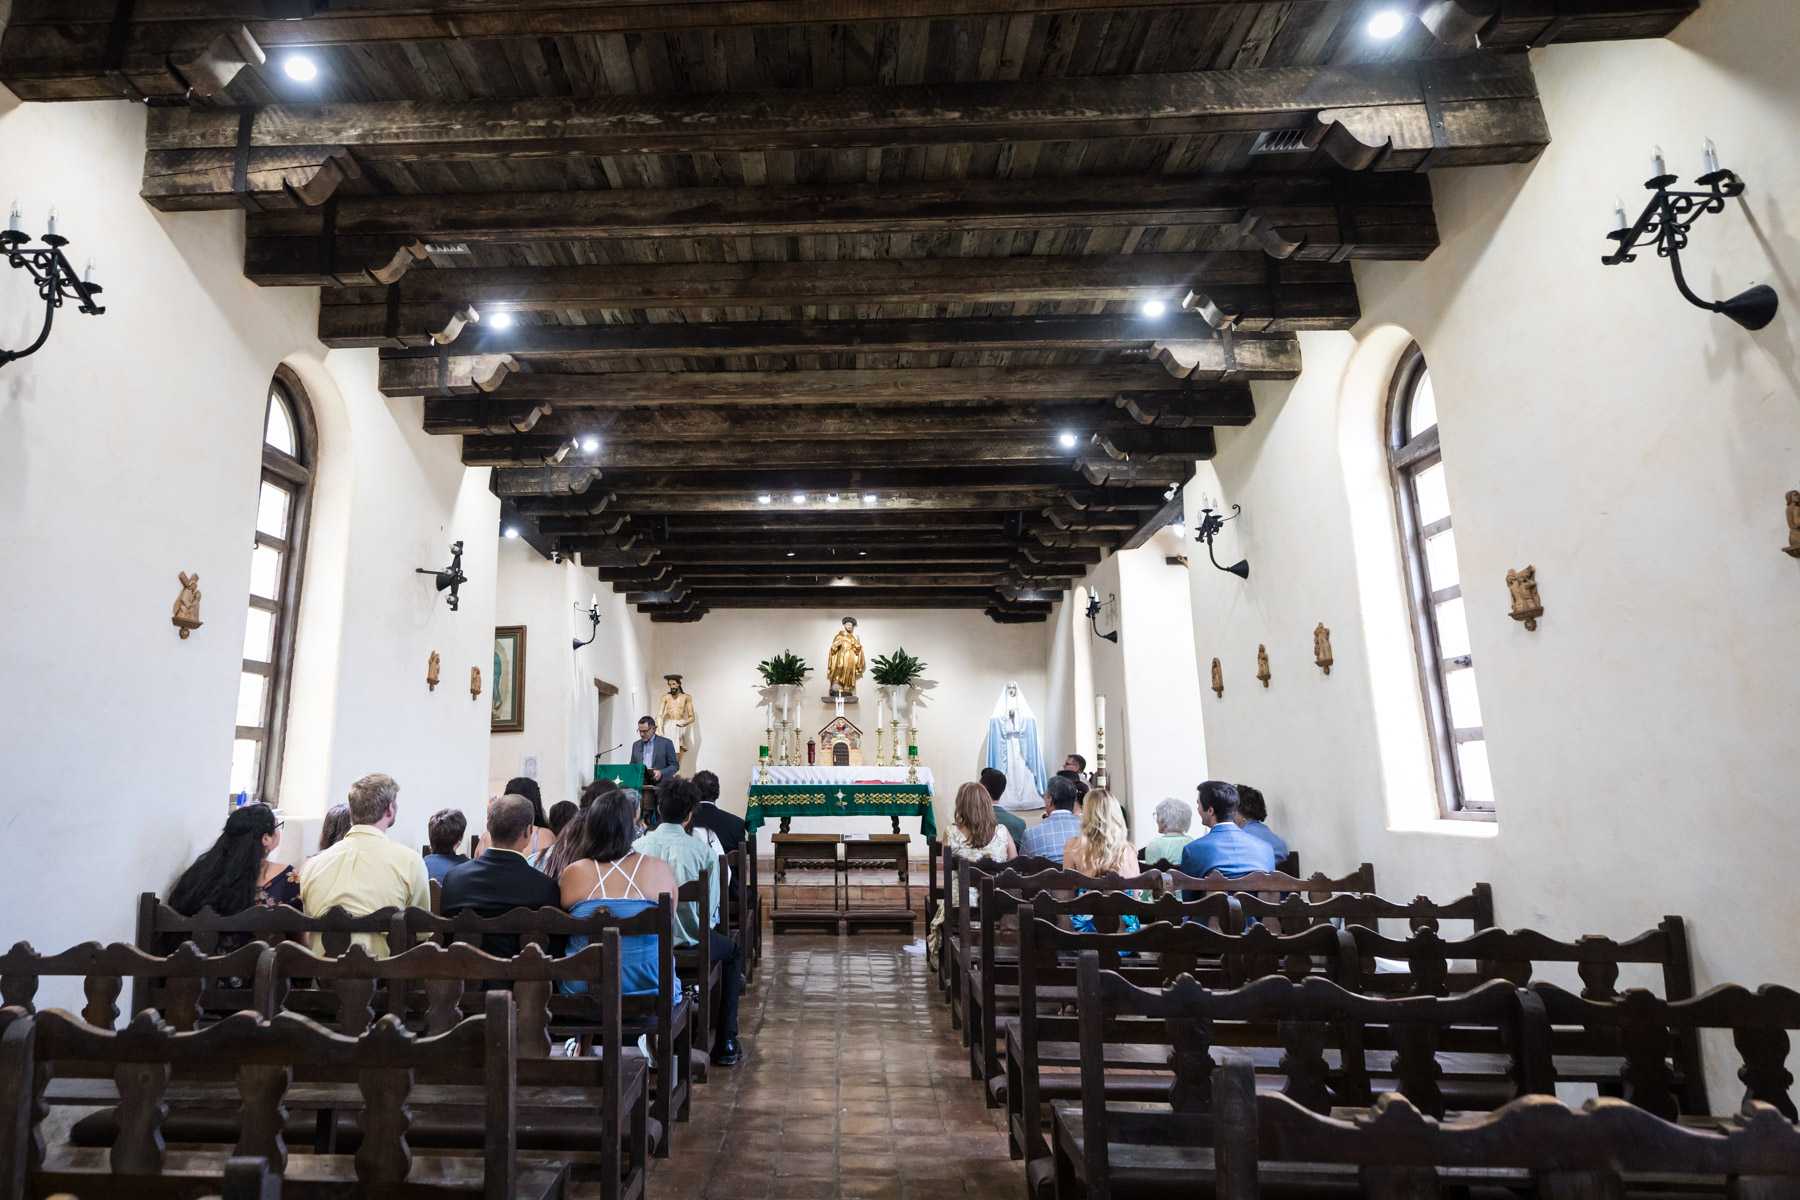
337 824
235 872
597 868
543 838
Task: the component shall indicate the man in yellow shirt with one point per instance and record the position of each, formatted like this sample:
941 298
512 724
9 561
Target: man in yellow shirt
366 872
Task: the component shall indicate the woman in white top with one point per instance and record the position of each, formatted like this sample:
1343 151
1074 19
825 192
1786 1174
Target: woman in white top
975 834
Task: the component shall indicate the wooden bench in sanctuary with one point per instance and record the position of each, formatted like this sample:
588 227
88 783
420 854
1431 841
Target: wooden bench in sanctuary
263 1061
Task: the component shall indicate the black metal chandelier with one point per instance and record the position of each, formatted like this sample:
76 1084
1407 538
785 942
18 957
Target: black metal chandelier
50 270
450 578
1665 223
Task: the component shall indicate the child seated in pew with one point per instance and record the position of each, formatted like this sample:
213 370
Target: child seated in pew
596 867
445 832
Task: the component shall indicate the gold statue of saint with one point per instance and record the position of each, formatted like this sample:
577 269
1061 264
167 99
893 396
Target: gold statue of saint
845 664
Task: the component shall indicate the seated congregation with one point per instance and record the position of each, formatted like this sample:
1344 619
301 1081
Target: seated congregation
1141 1021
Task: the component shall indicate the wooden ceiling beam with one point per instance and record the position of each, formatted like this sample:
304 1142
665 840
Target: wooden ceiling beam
1365 115
1260 293
58 49
897 483
860 578
968 450
376 239
522 363
826 597
1154 397
724 424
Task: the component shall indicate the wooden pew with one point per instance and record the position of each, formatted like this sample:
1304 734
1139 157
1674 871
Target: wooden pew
952 953
186 986
270 1061
736 911
990 978
1651 1036
1288 865
667 1012
695 967
594 1109
1294 911
1520 956
1042 1056
1139 1151
1395 1151
1272 885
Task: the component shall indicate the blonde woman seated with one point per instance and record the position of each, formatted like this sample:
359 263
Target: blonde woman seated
974 833
1103 846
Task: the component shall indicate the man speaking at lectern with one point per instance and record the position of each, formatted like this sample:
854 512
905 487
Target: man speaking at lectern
655 753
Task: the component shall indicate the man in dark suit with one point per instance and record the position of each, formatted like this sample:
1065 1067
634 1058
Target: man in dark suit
655 753
502 879
729 826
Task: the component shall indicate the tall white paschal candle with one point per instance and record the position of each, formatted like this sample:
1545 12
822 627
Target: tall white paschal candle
1100 712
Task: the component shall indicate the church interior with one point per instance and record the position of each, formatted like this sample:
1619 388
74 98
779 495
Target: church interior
806 598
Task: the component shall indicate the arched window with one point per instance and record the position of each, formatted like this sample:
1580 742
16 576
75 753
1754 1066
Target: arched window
277 557
1440 626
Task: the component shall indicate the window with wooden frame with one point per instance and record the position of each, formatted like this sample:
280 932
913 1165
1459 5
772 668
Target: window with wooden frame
277 560
1434 591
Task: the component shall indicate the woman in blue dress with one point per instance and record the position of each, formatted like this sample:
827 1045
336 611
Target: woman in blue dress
597 868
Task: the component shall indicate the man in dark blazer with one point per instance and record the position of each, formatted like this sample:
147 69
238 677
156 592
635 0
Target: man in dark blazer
655 752
729 826
502 879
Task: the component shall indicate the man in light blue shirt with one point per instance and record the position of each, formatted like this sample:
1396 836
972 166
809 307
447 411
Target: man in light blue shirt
1253 810
1047 838
674 842
1225 848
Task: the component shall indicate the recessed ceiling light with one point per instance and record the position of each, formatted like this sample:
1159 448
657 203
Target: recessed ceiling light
862 554
590 445
511 532
1155 308
831 498
765 498
501 320
799 497
1179 530
300 68
1386 24
870 498
1068 441
790 554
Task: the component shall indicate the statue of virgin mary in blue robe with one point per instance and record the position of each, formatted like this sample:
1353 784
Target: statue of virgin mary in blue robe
1013 749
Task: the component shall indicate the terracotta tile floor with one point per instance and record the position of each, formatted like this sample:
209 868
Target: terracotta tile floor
853 1084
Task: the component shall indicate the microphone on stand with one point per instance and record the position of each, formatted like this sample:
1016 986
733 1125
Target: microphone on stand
605 752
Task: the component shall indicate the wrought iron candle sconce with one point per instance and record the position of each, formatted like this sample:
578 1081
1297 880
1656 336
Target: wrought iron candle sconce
592 613
50 270
1665 223
1210 525
1094 610
451 577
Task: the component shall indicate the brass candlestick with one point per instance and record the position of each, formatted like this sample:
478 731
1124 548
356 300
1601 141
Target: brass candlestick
912 757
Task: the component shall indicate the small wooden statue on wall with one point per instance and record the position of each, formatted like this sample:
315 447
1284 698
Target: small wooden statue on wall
1793 520
431 672
474 683
1322 647
1526 607
1218 683
187 605
1262 665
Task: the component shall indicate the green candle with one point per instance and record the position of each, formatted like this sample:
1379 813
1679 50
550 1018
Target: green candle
764 751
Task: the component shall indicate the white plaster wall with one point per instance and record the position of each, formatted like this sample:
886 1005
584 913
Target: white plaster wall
562 725
1154 727
130 451
969 655
1631 447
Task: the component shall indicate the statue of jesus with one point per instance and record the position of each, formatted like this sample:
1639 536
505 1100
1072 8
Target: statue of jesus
845 664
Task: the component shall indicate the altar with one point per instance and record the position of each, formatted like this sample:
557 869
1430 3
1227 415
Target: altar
856 791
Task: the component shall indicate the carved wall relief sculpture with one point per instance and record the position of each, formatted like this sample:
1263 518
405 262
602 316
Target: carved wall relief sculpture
1218 683
474 683
1793 520
1262 665
1526 607
187 605
1322 647
431 672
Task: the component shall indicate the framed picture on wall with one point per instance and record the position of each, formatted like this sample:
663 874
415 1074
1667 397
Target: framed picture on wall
509 679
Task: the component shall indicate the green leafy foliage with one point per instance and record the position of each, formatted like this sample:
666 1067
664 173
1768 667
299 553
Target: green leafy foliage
786 667
896 668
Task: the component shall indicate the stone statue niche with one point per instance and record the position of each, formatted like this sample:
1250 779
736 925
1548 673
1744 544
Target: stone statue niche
840 744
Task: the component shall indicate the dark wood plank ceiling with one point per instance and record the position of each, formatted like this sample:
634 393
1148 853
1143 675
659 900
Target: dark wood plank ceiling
750 302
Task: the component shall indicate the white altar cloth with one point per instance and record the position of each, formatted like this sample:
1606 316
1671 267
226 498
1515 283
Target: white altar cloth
804 775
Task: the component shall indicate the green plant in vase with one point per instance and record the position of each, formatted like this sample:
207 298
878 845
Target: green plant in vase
898 669
786 668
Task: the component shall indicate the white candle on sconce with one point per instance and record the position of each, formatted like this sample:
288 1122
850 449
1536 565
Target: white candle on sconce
53 223
1621 222
1709 157
1657 167
16 223
89 277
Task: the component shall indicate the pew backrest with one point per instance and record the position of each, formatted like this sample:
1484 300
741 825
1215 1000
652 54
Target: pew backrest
1273 884
185 985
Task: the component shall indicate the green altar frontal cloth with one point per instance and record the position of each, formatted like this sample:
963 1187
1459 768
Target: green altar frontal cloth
778 800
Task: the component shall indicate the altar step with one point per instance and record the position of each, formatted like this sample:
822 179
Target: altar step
808 900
